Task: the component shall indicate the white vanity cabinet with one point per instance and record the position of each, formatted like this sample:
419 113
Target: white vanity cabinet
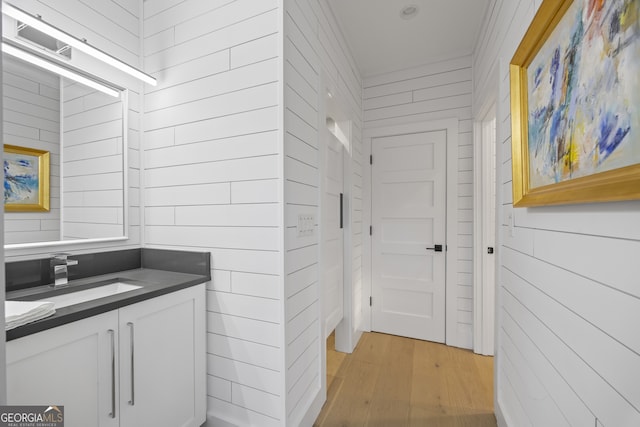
140 365
74 365
162 361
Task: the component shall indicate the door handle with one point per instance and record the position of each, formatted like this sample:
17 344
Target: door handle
133 387
112 334
435 248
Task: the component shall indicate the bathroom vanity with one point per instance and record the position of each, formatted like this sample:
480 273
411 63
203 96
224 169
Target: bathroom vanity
135 358
126 345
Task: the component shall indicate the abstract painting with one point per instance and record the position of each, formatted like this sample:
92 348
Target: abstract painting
577 98
26 179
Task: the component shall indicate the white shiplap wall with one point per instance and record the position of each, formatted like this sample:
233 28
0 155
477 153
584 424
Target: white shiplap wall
568 351
314 54
92 163
113 26
431 92
301 171
212 181
31 102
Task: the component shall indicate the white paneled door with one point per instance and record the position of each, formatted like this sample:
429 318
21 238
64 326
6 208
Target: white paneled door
409 235
333 236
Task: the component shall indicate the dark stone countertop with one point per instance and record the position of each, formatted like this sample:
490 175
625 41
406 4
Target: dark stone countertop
153 283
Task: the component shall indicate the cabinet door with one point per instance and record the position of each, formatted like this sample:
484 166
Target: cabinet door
162 361
74 365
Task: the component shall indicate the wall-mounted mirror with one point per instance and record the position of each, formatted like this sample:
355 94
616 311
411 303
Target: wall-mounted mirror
82 129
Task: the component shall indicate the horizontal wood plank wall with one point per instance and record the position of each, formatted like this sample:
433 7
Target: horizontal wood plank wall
568 350
313 46
430 92
302 291
31 119
92 163
211 182
114 27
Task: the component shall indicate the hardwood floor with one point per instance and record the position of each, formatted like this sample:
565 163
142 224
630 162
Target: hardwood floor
393 381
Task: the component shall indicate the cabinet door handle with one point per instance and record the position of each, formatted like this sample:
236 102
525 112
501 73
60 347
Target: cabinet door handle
133 388
112 333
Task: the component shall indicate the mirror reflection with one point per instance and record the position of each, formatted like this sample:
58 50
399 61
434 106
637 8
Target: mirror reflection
82 130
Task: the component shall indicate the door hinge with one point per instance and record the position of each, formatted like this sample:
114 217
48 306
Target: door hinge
371 230
370 301
371 159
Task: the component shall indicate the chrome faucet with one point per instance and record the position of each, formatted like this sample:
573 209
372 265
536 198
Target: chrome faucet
59 266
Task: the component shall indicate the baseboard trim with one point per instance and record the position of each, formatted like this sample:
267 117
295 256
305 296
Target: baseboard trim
314 410
356 338
217 422
500 417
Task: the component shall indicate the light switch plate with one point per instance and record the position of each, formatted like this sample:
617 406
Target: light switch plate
512 231
306 225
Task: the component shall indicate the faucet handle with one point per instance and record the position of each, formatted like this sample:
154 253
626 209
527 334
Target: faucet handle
59 263
62 258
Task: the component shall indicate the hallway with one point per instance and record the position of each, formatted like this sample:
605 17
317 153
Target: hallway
393 381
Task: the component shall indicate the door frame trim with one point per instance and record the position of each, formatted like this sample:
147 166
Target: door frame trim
450 126
483 293
346 240
488 94
348 331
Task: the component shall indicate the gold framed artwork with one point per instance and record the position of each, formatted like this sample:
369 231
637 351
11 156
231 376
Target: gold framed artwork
575 104
26 179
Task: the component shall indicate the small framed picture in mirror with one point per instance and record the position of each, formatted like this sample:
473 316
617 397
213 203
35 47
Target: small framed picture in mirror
26 179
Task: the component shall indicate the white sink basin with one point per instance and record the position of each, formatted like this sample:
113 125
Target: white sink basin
78 297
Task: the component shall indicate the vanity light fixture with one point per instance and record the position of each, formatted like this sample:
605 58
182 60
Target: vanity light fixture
58 69
81 45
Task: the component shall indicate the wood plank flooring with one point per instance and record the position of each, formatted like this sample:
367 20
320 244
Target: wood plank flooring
393 381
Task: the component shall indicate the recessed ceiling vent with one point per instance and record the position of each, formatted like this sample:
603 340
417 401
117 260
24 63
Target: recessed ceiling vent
409 12
43 41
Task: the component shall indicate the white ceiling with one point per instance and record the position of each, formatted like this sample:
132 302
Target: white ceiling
382 41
